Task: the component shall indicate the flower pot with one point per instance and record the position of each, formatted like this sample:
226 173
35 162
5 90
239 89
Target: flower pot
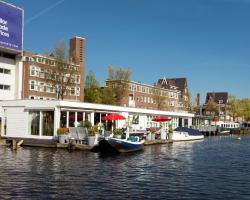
63 139
91 140
118 136
148 137
152 136
163 135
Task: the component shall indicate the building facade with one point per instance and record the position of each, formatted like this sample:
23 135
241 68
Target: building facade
220 100
181 85
37 68
10 76
140 95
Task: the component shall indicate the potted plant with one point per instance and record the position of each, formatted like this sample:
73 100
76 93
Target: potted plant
91 134
117 133
63 134
151 133
170 131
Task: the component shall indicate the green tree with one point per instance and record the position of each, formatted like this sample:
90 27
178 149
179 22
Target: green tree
118 82
245 108
233 107
211 106
186 100
92 89
159 99
108 96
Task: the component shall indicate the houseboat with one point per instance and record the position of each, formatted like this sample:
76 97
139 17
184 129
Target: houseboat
40 119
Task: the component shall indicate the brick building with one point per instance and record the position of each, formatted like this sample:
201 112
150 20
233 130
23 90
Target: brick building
37 66
179 84
219 98
146 96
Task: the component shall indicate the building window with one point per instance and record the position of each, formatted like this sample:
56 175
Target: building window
48 123
78 91
32 85
4 87
42 87
143 89
78 79
220 101
41 73
72 91
33 71
5 71
34 123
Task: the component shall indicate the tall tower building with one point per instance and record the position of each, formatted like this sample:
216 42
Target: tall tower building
77 48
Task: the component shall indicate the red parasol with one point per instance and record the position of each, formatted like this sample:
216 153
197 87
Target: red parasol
161 119
113 117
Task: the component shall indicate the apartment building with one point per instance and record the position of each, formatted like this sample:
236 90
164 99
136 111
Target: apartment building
179 84
140 95
221 100
37 68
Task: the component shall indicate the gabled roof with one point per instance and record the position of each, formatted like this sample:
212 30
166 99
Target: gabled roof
218 96
181 83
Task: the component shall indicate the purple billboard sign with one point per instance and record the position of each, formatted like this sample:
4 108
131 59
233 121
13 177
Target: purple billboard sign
11 27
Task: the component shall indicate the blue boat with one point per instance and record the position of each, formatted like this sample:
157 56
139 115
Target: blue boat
110 144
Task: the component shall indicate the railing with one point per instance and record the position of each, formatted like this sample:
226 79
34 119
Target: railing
205 128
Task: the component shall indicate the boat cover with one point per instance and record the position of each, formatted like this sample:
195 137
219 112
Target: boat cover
189 130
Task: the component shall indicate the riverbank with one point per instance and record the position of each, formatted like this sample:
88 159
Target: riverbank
54 144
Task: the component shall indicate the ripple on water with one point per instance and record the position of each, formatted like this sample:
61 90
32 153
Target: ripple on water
216 168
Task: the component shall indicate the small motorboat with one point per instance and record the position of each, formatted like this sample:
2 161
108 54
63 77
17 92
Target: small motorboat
111 144
185 134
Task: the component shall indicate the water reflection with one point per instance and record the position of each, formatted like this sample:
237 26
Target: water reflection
214 168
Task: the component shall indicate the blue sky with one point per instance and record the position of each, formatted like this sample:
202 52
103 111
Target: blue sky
207 41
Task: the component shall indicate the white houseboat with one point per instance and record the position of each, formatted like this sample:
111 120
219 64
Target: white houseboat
40 119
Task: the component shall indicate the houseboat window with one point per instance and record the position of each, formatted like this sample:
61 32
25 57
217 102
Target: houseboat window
71 119
79 118
63 119
34 121
48 123
185 122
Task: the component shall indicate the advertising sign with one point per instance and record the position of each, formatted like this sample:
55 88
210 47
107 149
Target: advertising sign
11 27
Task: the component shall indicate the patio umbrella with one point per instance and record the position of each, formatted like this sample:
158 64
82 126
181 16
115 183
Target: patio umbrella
112 117
161 119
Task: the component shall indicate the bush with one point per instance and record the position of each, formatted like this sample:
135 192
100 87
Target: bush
86 124
92 130
117 131
62 131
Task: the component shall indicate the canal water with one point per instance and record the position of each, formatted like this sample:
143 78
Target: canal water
215 168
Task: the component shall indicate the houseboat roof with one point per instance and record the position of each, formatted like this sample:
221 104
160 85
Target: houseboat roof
73 105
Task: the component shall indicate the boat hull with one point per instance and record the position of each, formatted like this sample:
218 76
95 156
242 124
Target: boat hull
112 145
183 136
124 146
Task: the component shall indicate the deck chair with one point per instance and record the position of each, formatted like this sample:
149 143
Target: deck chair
82 135
73 134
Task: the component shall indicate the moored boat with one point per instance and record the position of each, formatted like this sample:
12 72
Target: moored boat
110 144
185 134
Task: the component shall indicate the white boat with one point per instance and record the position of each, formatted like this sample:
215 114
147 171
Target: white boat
185 134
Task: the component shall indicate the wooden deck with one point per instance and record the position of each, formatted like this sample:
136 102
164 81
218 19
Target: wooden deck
153 142
83 147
